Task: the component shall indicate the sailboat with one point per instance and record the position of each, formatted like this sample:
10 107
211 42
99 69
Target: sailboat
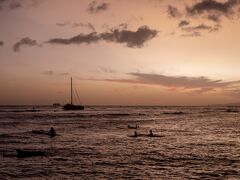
71 106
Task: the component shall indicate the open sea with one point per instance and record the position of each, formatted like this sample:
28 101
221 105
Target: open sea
195 143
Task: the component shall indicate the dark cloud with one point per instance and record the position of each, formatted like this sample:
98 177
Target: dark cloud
24 42
79 39
123 25
11 4
2 2
173 11
214 17
95 7
183 23
183 82
1 43
15 5
130 38
212 5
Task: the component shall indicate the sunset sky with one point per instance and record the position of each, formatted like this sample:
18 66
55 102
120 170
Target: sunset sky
120 52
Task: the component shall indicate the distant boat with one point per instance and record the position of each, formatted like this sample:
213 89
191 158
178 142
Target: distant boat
56 105
72 106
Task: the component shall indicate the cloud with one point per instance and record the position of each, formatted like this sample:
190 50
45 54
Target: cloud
107 69
14 5
2 2
198 27
87 25
1 43
130 38
212 5
51 73
75 25
200 84
79 39
24 42
202 27
48 72
62 24
96 7
173 12
192 34
214 17
11 4
183 23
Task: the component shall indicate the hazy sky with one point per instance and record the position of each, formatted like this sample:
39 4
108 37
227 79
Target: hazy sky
120 52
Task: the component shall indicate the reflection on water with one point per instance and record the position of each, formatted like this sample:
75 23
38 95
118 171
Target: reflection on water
198 142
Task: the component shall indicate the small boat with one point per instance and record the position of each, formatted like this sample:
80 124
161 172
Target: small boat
29 153
56 105
72 106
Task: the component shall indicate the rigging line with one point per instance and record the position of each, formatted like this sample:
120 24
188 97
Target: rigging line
74 96
77 96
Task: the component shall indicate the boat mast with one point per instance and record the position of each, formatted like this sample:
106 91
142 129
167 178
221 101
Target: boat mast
71 91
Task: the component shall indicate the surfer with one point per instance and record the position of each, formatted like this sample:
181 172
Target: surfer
52 132
135 134
150 133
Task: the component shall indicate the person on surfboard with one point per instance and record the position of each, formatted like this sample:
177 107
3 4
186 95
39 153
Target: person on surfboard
150 133
52 132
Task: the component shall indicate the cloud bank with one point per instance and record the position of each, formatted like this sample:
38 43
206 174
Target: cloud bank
130 38
194 84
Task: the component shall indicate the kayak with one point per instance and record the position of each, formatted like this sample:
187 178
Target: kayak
29 153
155 135
146 135
40 132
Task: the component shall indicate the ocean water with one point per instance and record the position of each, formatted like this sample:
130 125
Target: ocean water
196 143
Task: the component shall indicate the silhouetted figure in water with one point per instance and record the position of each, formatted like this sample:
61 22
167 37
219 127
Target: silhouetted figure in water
52 132
135 134
150 133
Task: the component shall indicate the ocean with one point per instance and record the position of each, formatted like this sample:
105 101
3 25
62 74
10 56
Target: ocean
193 143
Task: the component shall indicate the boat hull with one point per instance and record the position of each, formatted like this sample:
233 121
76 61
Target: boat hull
73 107
24 153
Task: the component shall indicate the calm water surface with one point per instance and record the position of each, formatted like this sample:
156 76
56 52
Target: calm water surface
197 143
